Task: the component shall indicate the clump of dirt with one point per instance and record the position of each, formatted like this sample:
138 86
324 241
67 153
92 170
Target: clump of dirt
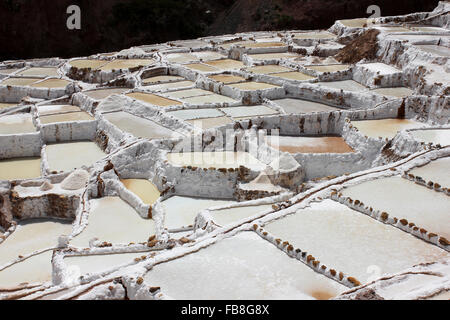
364 46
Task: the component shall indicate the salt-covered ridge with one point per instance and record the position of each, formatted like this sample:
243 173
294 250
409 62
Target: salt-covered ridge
199 146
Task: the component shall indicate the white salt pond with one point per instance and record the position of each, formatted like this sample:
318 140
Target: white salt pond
20 168
293 144
139 127
113 220
253 85
32 235
118 64
386 128
329 68
399 92
153 99
227 78
72 155
248 111
181 211
18 81
56 109
270 56
16 123
209 99
100 94
189 114
351 242
435 136
207 123
51 83
171 85
346 85
293 75
241 267
298 106
80 265
217 159
188 93
227 216
87 63
201 67
314 35
162 79
356 23
268 69
436 171
405 200
436 50
226 64
39 72
143 188
66 117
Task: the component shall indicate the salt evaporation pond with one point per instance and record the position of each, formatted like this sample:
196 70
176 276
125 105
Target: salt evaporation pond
51 83
100 94
226 64
171 85
207 123
268 69
270 56
182 57
399 92
181 94
293 75
153 99
28 237
20 168
299 106
346 85
72 155
18 81
139 127
386 128
44 110
294 144
253 85
217 159
248 111
17 123
355 23
189 114
434 49
241 267
87 63
436 171
4 105
435 136
226 216
329 68
161 79
209 99
39 72
66 117
113 220
426 208
227 78
181 211
118 64
351 242
314 35
142 188
92 264
201 67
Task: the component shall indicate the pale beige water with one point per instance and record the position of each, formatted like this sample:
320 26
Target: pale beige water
104 93
217 159
435 136
298 106
293 144
181 211
18 81
80 265
225 64
88 63
72 155
190 114
17 123
268 56
126 64
9 71
153 99
227 216
66 117
111 219
267 69
201 67
161 79
252 85
241 267
181 94
30 236
143 188
37 269
20 168
138 126
436 171
386 128
171 85
329 68
227 78
250 111
399 92
4 105
355 23
56 109
39 72
348 85
51 83
207 123
352 242
314 35
405 199
211 98
294 75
